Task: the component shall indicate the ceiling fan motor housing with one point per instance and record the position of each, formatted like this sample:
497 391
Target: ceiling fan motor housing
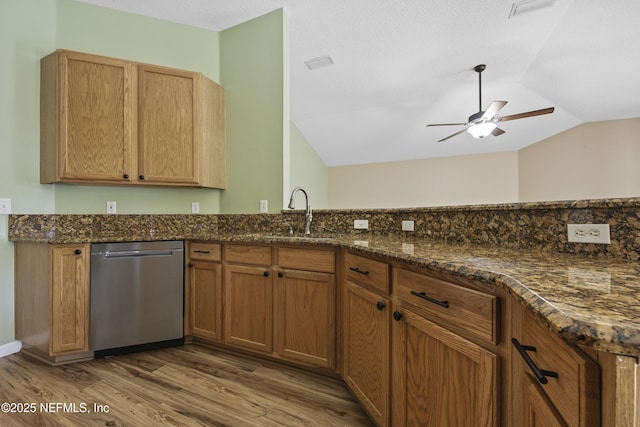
476 117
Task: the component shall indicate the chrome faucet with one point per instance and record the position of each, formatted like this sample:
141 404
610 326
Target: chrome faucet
308 216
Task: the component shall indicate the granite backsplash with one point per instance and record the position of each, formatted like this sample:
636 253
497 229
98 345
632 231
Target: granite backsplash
540 225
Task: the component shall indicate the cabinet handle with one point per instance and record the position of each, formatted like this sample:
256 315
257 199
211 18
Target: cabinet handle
357 270
141 176
190 265
380 305
265 274
397 315
422 295
199 251
540 374
125 176
280 274
77 252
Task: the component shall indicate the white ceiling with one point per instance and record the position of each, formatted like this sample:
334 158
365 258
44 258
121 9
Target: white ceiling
400 64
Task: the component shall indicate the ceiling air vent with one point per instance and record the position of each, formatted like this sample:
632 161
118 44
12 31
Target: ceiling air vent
322 61
524 6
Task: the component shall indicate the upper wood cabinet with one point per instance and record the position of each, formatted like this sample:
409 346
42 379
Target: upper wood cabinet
111 121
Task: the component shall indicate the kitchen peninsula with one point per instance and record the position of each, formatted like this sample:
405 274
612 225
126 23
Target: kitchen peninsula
586 301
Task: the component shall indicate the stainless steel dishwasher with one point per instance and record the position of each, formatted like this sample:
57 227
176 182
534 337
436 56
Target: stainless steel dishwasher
137 292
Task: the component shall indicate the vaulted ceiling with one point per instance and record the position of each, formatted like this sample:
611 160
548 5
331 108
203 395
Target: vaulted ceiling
400 64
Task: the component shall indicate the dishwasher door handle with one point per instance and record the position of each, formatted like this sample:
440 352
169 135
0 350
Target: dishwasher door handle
136 254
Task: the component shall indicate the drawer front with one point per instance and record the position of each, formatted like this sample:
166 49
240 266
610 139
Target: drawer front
205 251
367 272
248 254
575 392
452 305
307 259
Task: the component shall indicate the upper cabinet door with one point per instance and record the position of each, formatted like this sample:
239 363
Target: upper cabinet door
168 118
111 121
86 125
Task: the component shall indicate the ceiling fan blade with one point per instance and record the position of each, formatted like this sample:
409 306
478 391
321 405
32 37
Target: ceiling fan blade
493 109
448 124
497 132
452 135
527 114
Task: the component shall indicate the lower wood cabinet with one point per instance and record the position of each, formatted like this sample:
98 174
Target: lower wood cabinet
203 291
366 330
560 384
305 317
281 302
538 411
440 378
249 307
52 300
205 280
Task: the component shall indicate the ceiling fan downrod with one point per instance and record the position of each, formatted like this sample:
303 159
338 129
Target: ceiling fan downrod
479 69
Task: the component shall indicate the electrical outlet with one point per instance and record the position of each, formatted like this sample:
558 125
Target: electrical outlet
111 207
264 206
5 206
589 233
407 225
195 207
361 224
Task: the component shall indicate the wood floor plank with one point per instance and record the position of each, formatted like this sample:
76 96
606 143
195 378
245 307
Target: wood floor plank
181 386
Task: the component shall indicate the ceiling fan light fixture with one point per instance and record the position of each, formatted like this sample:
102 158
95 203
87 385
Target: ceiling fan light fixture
480 130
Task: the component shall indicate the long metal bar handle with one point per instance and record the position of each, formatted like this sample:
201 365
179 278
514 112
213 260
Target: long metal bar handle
540 374
424 296
200 251
357 270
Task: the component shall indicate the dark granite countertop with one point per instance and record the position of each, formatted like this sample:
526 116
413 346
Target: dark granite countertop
587 300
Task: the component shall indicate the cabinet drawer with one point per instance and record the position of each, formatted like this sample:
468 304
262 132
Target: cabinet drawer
455 306
575 393
307 259
248 254
370 273
205 251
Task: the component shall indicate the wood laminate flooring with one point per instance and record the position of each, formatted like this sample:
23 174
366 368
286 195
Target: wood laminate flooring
188 385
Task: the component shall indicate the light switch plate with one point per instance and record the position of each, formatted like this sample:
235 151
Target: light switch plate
111 207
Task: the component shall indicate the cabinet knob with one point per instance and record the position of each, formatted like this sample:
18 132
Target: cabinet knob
190 265
380 305
125 176
397 315
141 177
265 274
280 274
77 251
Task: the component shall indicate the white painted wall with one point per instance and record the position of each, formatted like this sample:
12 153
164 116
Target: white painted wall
477 179
591 161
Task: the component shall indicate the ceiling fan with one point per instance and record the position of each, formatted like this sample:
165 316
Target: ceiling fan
485 123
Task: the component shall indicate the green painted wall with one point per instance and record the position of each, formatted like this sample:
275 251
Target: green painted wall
250 61
27 33
87 28
253 58
308 170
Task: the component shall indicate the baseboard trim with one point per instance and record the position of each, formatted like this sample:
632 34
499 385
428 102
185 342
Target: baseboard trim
10 348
